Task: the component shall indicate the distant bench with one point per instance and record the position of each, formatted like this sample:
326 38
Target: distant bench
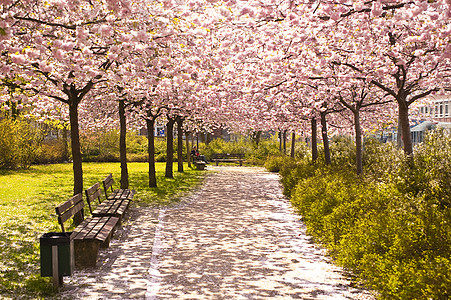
200 164
89 235
228 157
116 194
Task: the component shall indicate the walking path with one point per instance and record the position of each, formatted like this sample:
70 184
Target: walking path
235 238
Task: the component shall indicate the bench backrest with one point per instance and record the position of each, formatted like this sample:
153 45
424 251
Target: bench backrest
228 155
69 208
92 194
108 184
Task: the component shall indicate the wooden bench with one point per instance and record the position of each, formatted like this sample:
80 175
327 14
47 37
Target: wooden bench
121 194
115 207
228 157
89 235
200 164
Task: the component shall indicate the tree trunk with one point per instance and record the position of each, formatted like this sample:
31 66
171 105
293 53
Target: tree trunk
202 137
405 128
325 139
76 153
280 141
169 148
151 151
284 142
188 152
358 142
293 140
179 145
65 146
399 133
258 134
314 140
123 144
76 150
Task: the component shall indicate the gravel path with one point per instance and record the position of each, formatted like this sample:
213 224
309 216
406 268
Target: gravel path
235 238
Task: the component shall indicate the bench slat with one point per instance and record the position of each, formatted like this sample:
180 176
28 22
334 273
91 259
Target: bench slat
111 207
69 208
108 183
106 225
91 233
228 157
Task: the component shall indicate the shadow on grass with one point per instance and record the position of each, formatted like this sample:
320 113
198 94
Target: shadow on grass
27 210
20 266
168 190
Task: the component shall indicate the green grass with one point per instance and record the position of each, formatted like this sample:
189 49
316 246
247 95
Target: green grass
27 210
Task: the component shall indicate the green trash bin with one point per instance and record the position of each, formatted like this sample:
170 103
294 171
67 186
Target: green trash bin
57 255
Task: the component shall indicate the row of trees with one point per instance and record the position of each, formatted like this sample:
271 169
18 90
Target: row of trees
246 65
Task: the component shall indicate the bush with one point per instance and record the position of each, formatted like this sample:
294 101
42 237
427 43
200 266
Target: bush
343 151
390 227
97 146
274 163
52 151
253 155
20 143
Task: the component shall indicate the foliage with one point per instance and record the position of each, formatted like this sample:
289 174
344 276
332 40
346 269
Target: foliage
28 212
343 151
20 143
390 227
254 154
103 146
52 151
100 145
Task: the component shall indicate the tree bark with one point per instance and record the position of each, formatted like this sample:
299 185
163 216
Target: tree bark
257 135
202 137
325 138
76 153
280 141
399 133
151 151
169 148
76 149
65 146
405 128
358 142
180 145
123 144
188 152
293 140
314 140
284 142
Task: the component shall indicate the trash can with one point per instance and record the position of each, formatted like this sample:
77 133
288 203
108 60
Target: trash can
57 255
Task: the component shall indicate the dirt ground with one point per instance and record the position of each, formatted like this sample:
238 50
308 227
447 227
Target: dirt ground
237 237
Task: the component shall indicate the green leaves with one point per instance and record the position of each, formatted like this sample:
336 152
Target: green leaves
390 227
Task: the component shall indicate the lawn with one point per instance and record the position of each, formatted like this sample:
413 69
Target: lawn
27 210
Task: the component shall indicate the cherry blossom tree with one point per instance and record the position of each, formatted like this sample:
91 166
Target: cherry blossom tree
401 47
60 50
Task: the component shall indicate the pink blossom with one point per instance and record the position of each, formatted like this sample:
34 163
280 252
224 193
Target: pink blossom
376 9
18 59
105 30
45 67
